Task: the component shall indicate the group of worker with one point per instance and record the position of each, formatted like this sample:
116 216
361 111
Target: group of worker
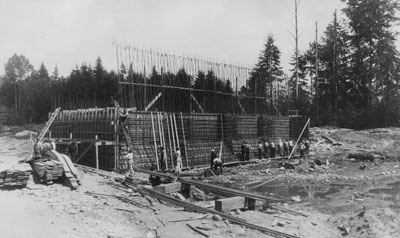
270 149
161 161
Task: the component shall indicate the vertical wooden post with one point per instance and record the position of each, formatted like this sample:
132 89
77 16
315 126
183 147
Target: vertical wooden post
155 141
163 138
172 131
176 132
97 152
116 137
169 141
298 139
222 127
184 142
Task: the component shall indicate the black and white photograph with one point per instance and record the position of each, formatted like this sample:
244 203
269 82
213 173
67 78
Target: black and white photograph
200 118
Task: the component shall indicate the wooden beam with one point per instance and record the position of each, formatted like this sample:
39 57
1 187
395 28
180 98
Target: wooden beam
152 102
184 142
84 152
155 141
228 204
97 154
241 107
197 103
169 187
298 139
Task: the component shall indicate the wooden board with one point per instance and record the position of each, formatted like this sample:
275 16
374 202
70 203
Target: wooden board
169 187
228 204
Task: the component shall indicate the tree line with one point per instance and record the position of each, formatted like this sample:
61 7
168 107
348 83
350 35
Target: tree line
354 70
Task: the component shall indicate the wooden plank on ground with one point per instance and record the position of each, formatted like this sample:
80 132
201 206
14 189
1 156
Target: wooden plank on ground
228 204
169 187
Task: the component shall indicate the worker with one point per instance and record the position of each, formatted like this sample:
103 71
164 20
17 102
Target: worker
53 144
123 116
247 151
286 148
280 148
307 145
218 165
212 157
291 145
178 163
272 149
154 180
72 150
37 149
260 150
129 157
243 148
302 147
46 147
266 149
163 157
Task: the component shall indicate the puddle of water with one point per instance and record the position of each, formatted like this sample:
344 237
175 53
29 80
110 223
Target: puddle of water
306 192
390 193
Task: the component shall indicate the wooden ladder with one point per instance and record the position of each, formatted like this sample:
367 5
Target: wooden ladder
48 124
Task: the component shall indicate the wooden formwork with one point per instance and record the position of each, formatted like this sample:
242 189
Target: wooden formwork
194 134
94 130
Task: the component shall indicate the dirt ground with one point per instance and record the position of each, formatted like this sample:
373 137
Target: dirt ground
342 198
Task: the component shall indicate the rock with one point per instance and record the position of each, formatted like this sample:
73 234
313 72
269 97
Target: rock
216 217
346 230
6 128
150 235
238 230
238 211
206 227
275 222
296 198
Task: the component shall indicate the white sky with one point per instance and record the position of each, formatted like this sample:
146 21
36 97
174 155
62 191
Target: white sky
69 32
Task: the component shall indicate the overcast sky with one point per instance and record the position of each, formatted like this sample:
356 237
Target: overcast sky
69 32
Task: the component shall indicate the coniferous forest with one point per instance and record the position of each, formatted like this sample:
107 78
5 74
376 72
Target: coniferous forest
353 82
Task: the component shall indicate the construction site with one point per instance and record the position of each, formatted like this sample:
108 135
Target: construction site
342 183
293 132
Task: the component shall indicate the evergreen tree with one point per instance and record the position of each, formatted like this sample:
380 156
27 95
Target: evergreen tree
374 57
266 70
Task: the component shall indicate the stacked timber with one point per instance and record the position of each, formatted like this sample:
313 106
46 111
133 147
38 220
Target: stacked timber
71 175
16 176
47 170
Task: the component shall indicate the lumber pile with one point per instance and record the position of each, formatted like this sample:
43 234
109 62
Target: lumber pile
17 176
47 170
70 175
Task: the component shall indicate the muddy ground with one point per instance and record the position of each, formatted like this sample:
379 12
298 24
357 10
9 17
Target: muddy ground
344 198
